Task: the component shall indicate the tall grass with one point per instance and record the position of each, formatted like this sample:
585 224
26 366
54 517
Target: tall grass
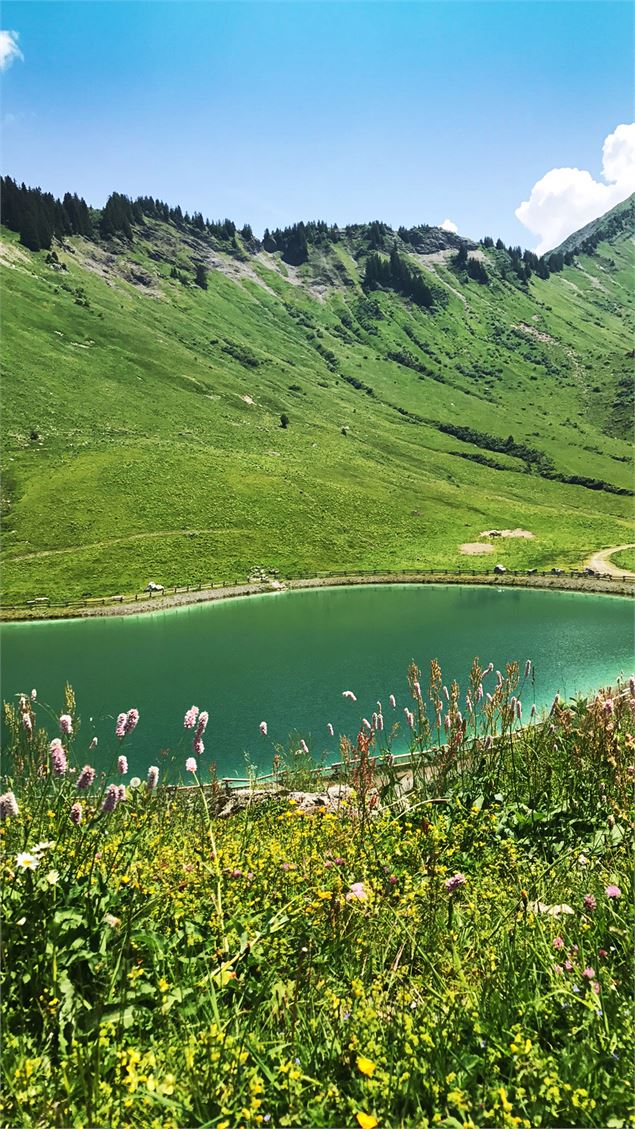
450 947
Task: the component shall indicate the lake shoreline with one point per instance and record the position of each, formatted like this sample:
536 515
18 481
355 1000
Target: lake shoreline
593 584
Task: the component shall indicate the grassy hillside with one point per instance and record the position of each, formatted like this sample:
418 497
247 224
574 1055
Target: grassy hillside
142 416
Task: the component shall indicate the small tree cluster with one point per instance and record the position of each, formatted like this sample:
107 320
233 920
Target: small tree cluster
395 273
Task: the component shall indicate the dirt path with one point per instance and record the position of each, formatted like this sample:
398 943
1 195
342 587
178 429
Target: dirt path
113 541
601 562
198 596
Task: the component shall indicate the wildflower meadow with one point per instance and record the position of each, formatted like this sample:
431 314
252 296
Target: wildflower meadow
439 940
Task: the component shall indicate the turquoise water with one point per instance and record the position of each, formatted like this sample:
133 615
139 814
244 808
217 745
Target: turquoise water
286 659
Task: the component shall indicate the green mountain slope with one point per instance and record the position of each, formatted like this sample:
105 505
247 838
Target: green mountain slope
142 414
619 221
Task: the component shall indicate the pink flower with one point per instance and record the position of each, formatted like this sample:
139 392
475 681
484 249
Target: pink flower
417 689
66 723
198 746
479 692
357 892
111 799
613 891
122 765
122 793
27 723
596 987
132 720
189 721
349 694
608 707
410 718
568 966
589 902
263 728
203 719
380 722
589 973
393 701
76 814
120 727
59 763
454 883
558 969
152 778
191 765
558 943
519 710
330 729
304 746
86 777
8 806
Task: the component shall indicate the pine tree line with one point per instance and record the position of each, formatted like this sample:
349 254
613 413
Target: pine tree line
523 264
38 216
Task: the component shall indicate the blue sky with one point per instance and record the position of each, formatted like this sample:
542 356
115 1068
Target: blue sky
273 112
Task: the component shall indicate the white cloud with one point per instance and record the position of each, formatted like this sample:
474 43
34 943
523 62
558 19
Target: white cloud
566 199
9 49
449 225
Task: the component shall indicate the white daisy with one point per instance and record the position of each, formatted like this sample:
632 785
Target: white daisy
27 861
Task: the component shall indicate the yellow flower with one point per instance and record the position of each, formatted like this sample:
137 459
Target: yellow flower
366 1067
366 1120
506 1104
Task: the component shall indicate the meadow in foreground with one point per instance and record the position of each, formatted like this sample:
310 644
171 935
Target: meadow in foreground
459 956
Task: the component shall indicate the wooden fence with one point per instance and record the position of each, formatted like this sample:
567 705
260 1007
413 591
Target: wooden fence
88 601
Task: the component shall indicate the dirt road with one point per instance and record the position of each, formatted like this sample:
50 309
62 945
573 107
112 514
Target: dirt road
601 562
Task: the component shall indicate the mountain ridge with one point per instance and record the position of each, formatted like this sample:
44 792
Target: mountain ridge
443 392
609 224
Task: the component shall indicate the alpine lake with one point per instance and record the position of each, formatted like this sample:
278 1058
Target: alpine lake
286 658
